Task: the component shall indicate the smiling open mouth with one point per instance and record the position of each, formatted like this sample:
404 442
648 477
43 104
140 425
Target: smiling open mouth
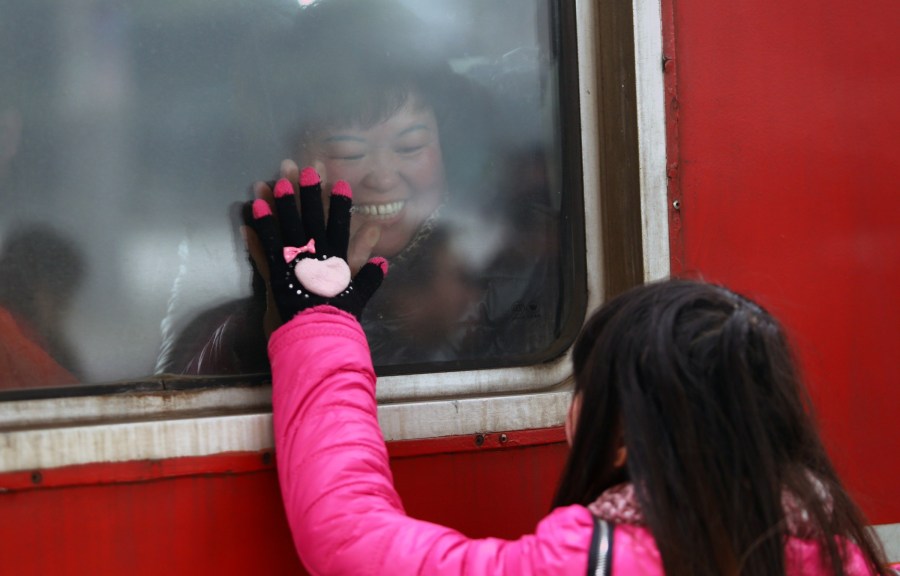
386 210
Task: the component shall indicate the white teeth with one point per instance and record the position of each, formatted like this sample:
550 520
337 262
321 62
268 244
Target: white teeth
386 210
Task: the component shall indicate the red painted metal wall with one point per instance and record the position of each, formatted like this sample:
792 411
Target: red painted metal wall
216 515
223 514
782 122
784 151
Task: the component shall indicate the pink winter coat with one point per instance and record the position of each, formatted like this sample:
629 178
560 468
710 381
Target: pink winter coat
346 517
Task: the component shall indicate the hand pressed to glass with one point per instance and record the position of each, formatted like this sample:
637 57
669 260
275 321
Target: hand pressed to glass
307 260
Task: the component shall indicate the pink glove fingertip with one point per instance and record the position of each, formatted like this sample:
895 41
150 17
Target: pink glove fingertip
309 177
283 188
381 263
261 209
341 188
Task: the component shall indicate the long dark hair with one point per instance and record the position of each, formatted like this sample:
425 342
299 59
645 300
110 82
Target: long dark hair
702 385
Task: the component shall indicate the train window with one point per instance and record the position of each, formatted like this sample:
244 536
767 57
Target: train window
129 130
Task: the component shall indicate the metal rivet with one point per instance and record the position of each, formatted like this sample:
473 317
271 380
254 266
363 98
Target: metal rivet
676 204
503 438
479 439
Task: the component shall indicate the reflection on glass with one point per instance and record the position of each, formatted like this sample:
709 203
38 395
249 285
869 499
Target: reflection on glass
40 271
134 127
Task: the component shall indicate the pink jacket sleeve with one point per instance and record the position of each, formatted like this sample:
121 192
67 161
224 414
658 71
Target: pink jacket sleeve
345 516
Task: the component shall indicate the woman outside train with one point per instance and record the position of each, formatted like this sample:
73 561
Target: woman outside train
693 451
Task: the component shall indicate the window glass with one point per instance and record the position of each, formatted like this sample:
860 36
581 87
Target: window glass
131 132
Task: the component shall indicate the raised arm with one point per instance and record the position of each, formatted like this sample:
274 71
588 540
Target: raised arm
345 516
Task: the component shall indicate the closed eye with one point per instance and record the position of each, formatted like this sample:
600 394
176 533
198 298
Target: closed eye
346 156
411 149
342 147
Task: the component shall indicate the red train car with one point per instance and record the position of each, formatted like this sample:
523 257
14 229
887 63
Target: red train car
750 143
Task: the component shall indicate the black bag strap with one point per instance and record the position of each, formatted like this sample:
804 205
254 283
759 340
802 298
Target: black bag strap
600 555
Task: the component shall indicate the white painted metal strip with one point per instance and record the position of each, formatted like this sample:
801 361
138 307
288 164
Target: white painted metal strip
158 439
469 416
586 23
56 447
652 137
134 406
890 537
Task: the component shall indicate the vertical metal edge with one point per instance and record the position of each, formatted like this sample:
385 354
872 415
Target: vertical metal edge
651 137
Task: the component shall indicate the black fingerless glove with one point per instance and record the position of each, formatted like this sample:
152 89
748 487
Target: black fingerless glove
307 260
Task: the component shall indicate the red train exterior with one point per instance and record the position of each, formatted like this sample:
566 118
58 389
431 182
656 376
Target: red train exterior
782 153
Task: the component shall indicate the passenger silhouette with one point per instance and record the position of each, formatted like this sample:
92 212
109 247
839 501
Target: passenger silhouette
40 273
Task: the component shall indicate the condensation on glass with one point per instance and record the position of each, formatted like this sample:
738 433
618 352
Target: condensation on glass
131 131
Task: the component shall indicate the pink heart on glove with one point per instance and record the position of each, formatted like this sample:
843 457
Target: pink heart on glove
326 278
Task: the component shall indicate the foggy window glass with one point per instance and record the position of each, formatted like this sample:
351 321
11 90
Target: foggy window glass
132 131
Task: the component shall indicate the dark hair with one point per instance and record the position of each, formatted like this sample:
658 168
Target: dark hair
702 384
37 258
40 272
354 63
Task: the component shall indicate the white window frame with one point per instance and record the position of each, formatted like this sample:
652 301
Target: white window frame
170 424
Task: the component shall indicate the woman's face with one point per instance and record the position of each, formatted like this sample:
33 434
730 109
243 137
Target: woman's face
395 169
